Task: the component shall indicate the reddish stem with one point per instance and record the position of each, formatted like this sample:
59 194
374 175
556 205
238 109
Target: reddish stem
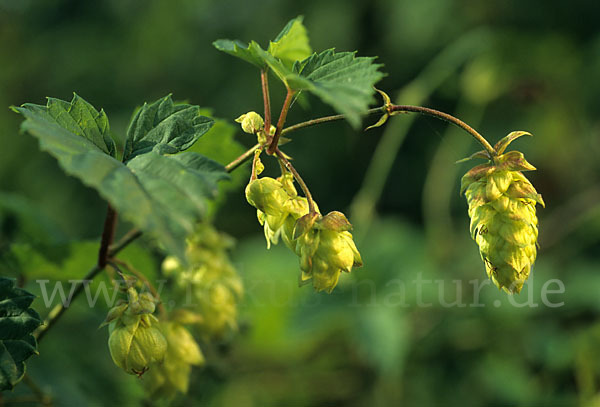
281 122
108 234
264 79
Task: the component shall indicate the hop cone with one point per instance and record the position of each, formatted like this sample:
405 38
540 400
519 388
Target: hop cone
323 243
135 339
165 379
326 248
210 285
503 216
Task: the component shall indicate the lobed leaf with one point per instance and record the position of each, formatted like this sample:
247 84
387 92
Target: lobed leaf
165 127
17 323
342 80
79 118
162 195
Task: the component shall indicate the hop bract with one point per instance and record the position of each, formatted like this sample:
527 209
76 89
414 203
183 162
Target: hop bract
503 216
325 250
135 340
165 379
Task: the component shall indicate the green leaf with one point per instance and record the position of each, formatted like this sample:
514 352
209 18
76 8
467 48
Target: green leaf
247 52
291 44
17 323
162 195
257 56
79 118
179 183
164 127
341 79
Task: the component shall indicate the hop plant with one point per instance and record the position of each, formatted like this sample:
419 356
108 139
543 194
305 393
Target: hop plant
165 379
135 339
503 216
210 284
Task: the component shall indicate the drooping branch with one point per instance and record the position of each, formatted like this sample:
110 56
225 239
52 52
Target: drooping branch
448 118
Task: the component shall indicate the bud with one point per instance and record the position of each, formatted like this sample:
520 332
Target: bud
326 250
503 216
251 122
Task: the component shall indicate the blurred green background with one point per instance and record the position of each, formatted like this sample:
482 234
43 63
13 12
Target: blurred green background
418 325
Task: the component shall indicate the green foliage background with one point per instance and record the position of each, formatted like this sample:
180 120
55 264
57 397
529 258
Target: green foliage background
500 66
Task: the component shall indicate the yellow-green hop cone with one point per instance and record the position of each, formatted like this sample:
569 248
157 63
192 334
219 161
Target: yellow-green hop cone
135 342
278 207
325 250
165 379
267 195
210 286
503 217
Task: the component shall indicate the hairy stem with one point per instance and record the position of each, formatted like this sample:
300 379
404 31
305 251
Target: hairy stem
448 118
264 80
290 167
242 158
108 234
326 119
282 116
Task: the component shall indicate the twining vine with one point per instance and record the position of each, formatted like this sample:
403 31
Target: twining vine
164 191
